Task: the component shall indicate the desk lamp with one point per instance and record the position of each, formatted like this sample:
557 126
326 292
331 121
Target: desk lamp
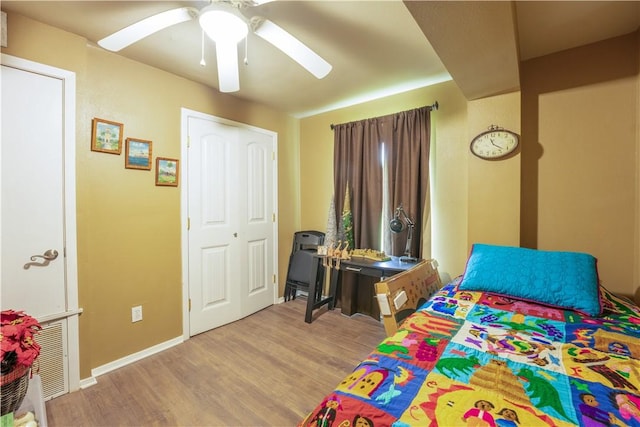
397 225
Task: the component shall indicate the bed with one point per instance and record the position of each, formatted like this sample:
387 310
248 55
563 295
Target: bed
522 338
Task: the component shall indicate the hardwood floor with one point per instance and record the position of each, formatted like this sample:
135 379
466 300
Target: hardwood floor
268 369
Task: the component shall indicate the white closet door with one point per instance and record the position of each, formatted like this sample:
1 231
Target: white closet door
231 255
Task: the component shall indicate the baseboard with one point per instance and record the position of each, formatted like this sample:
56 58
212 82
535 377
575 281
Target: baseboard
88 382
101 370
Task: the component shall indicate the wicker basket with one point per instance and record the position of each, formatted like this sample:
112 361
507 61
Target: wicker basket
13 388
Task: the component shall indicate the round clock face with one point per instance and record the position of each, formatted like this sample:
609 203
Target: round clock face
494 144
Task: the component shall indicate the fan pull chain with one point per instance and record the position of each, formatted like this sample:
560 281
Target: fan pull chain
202 61
246 51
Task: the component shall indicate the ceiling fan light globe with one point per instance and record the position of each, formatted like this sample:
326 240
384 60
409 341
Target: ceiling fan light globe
223 26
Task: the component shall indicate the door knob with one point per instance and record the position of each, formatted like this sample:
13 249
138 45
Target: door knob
49 255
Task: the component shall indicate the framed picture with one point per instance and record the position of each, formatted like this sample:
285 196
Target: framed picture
137 154
106 136
167 171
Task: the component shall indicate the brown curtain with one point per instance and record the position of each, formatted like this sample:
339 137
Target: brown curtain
409 175
357 163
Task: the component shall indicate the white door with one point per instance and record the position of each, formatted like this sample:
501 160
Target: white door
32 193
230 206
38 199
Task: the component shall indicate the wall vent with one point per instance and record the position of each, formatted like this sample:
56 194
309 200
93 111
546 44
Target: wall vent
53 359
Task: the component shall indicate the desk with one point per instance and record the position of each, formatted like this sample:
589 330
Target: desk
351 295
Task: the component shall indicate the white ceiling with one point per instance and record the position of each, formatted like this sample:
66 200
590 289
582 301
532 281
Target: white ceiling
375 47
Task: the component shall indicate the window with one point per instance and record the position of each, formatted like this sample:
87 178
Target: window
383 162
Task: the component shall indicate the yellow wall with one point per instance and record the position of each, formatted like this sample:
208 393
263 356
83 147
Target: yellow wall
580 188
494 186
636 276
128 229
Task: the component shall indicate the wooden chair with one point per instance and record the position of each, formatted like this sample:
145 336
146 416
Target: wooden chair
400 295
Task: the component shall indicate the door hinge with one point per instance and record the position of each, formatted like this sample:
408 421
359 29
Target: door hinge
274 278
188 223
273 217
188 141
273 155
189 304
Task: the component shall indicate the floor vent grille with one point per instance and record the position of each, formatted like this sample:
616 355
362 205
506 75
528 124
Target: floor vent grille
53 359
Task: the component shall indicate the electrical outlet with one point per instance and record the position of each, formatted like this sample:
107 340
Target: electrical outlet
136 313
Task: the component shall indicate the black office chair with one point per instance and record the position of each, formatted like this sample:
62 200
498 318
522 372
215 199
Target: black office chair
305 270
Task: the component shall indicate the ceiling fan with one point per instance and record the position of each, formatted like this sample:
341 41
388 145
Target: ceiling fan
225 23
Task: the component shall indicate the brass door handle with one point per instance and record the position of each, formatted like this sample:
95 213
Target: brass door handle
49 255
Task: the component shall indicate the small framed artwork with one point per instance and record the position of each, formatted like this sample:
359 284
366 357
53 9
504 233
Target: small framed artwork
106 136
167 171
137 154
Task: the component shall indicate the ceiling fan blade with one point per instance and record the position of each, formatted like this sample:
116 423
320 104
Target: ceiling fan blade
294 48
141 29
228 73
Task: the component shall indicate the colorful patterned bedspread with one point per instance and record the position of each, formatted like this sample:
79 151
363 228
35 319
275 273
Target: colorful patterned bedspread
476 359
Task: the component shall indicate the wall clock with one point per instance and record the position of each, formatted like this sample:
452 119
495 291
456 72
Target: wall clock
494 143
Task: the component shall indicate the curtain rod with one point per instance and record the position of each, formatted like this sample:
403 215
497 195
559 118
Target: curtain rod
433 106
